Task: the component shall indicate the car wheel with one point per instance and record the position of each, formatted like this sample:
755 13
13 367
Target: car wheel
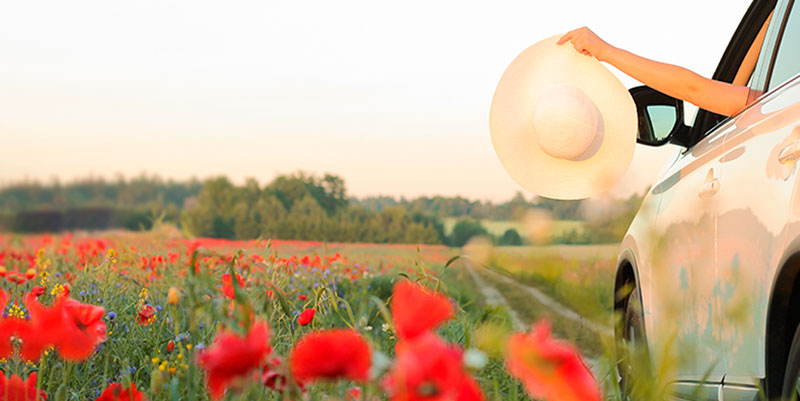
631 347
791 379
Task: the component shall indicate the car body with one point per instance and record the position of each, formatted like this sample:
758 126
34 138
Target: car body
714 252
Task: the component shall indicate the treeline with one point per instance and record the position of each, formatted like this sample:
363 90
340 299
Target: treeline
94 203
138 192
443 206
295 206
301 207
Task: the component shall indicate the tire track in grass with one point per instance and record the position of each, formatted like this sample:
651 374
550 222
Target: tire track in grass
586 334
529 304
552 304
493 297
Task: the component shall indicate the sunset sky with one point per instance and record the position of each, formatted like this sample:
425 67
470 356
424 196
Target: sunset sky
392 96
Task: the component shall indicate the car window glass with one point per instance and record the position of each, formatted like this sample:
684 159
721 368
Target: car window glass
662 119
787 60
758 79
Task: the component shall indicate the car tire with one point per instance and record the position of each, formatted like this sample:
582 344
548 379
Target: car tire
791 378
631 346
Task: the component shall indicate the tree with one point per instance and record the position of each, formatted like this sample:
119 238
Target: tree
510 237
464 230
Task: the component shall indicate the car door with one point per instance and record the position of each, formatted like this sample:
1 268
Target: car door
683 270
755 196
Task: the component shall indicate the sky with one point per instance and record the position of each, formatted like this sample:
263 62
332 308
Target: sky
392 96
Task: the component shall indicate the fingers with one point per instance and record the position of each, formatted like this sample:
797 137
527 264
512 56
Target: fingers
572 35
567 36
579 39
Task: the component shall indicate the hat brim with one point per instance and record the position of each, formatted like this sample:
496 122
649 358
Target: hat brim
537 68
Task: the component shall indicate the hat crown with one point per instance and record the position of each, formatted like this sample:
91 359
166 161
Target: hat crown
566 122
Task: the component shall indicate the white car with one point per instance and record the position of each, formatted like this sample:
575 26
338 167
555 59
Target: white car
708 271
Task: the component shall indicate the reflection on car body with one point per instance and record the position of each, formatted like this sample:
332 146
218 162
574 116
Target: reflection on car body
713 255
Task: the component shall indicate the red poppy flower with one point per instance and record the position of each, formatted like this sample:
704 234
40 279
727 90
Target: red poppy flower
302 297
227 284
306 317
416 309
146 315
353 394
37 291
6 329
115 392
73 328
428 369
82 329
16 277
549 369
272 375
330 354
15 389
232 356
40 331
469 390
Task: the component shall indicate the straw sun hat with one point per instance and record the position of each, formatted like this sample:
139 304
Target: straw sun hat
563 126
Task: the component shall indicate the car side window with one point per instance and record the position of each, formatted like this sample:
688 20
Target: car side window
787 60
758 79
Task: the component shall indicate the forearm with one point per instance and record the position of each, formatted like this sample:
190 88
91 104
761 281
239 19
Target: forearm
678 82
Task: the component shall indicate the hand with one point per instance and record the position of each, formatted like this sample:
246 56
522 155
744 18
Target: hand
586 42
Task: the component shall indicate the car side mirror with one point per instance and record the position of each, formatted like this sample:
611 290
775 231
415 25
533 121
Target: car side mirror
660 118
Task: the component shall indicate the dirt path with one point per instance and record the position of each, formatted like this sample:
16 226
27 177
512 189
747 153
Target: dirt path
494 297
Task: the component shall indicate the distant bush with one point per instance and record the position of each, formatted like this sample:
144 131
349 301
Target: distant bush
511 237
464 230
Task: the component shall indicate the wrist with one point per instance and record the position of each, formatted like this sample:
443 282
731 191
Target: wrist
606 53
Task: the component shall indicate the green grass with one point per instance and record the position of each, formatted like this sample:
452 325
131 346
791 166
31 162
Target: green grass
579 276
577 252
530 311
498 227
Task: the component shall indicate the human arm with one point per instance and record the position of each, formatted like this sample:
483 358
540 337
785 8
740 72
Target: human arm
678 82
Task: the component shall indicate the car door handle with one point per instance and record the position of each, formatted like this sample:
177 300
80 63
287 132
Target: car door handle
790 153
710 188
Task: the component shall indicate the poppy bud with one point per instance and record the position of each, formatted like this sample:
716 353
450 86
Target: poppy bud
173 296
156 381
61 393
16 277
170 346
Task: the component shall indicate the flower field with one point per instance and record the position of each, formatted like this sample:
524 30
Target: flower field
148 316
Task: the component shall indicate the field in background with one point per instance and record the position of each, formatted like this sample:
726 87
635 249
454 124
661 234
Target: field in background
498 227
578 252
